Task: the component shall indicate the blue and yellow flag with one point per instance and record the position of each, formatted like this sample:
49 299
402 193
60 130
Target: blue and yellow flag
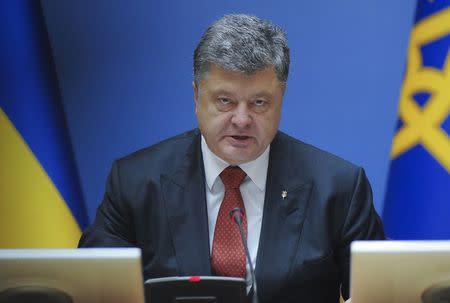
417 204
41 203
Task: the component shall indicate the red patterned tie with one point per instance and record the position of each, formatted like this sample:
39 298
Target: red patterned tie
228 254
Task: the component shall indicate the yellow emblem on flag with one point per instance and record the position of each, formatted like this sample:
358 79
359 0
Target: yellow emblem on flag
422 125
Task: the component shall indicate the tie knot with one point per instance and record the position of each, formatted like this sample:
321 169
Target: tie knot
232 177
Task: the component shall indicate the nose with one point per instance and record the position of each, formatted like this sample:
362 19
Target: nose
241 116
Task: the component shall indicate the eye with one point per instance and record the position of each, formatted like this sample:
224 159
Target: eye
260 103
224 101
224 104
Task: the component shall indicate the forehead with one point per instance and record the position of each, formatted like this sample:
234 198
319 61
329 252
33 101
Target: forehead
218 78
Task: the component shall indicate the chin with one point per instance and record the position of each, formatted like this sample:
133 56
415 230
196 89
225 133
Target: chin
236 156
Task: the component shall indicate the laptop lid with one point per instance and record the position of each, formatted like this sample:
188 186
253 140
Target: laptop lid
86 275
399 271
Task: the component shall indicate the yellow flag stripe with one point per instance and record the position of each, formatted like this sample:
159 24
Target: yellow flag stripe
33 214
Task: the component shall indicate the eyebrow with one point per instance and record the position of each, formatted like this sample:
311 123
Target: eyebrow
222 91
263 94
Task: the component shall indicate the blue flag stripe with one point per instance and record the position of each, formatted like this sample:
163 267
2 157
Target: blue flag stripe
417 197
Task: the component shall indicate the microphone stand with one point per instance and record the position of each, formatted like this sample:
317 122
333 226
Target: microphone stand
237 214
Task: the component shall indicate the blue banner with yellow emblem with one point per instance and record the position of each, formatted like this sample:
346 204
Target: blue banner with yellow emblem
41 204
417 204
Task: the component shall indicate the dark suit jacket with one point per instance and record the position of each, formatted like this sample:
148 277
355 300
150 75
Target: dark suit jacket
155 200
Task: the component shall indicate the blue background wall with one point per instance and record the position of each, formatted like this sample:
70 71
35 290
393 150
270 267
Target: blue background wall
125 73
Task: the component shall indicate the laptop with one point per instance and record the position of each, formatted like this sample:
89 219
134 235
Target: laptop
84 275
400 271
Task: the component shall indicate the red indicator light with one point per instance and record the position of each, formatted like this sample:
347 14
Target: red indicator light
194 279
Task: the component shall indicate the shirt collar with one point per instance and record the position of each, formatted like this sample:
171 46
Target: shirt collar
256 170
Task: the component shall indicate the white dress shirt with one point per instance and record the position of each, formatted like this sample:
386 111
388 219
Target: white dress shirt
253 190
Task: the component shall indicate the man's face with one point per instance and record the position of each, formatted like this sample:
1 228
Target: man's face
238 114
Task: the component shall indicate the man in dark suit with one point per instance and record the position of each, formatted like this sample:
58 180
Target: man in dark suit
302 206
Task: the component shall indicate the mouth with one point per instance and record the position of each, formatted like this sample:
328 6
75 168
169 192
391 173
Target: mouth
240 138
240 141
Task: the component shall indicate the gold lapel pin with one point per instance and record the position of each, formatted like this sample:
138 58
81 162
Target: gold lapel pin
284 194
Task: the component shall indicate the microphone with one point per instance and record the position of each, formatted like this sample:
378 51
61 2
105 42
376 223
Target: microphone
236 215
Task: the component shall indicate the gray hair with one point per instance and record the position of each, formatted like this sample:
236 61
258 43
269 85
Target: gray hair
242 43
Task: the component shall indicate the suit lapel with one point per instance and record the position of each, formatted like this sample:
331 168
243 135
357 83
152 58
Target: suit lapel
184 197
285 208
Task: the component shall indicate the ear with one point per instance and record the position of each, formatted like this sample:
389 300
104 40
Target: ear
196 93
284 87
